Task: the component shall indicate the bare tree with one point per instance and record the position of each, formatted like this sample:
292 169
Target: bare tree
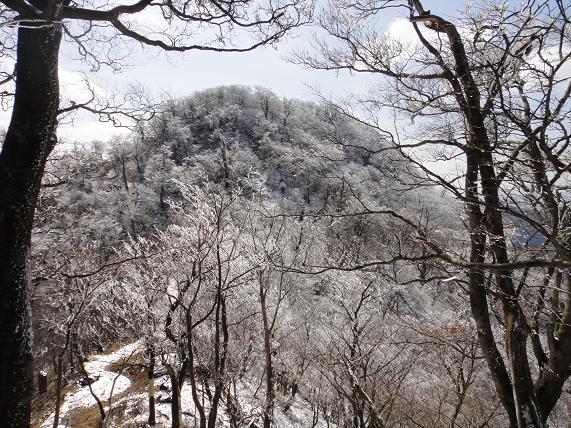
103 36
197 270
488 94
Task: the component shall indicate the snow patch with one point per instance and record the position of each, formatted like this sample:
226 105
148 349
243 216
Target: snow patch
102 386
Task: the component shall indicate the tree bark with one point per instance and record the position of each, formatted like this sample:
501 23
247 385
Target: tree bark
198 403
552 378
176 408
478 296
42 382
221 352
270 394
59 378
220 349
151 386
100 407
524 403
29 140
124 172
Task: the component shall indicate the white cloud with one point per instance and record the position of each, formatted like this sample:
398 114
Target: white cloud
76 87
401 29
83 127
88 129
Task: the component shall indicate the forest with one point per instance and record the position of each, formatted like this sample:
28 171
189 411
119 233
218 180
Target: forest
391 257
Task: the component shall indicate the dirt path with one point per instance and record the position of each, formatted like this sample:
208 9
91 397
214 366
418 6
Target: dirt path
97 368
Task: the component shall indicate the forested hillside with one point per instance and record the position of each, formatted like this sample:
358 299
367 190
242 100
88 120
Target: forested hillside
396 253
218 238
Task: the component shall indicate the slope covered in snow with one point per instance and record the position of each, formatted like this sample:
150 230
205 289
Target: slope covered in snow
106 384
132 399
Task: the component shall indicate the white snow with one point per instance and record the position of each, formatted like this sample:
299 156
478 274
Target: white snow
96 367
300 413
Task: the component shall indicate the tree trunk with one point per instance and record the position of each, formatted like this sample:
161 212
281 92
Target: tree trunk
220 349
226 168
151 386
270 394
29 140
198 403
59 378
524 403
176 408
162 203
221 320
552 378
233 407
124 172
42 382
358 421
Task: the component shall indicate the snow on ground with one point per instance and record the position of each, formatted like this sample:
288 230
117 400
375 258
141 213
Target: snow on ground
135 404
96 367
300 414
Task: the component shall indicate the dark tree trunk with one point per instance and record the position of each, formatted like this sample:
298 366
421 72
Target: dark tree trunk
162 203
225 163
233 407
29 140
151 385
358 421
214 409
220 347
59 378
100 407
42 382
198 403
523 408
59 369
270 394
176 408
124 172
552 378
221 353
478 295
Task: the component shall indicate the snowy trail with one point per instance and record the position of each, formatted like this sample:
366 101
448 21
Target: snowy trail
96 366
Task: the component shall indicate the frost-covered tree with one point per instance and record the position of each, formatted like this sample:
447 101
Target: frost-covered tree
103 35
486 93
254 205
